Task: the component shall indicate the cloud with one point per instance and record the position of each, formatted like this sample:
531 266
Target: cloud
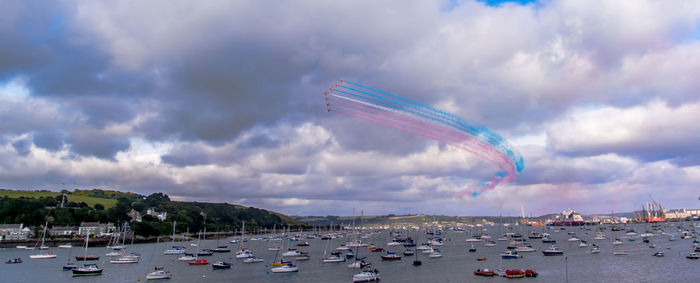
223 100
651 132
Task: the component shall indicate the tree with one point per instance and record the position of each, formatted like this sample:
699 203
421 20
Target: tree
99 206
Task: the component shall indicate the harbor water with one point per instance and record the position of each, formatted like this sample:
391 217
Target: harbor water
457 264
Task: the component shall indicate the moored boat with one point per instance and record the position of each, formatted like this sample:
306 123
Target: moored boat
43 255
285 268
14 260
199 262
158 274
87 269
484 272
510 255
253 260
552 251
87 258
391 256
366 275
221 265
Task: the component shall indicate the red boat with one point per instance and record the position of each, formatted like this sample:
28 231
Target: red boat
199 262
484 272
480 258
377 250
530 273
515 273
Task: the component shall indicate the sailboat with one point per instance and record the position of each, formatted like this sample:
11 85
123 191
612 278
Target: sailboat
175 250
124 258
158 272
88 268
242 251
198 261
70 265
43 254
368 274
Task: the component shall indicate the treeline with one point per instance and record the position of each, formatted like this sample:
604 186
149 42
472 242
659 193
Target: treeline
192 216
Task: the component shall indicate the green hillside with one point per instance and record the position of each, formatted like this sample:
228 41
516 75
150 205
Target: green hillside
33 208
71 197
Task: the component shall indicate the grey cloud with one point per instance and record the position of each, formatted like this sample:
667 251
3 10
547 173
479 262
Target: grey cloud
52 140
97 144
23 146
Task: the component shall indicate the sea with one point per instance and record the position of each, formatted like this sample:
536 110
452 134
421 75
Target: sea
457 264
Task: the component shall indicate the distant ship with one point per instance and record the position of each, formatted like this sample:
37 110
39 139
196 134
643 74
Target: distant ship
567 218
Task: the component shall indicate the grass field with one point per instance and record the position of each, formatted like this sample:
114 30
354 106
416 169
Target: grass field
91 201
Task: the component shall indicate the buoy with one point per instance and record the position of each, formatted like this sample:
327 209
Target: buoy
138 279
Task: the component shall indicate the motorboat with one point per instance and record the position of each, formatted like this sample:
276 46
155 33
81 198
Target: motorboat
659 254
65 246
552 251
510 255
490 244
692 256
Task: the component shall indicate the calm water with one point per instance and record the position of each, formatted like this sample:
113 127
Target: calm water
456 265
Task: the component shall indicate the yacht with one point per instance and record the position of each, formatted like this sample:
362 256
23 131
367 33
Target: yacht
286 268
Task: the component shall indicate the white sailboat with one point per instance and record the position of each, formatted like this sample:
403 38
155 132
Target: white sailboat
43 254
368 274
158 273
175 250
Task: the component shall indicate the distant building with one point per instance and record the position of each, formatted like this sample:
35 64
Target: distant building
95 228
11 232
680 214
135 215
160 215
64 231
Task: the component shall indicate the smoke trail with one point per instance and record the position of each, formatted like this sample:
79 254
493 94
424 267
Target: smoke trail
391 110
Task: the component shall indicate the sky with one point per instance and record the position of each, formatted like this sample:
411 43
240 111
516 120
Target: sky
222 101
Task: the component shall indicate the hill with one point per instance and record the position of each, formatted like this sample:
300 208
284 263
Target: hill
90 200
33 208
